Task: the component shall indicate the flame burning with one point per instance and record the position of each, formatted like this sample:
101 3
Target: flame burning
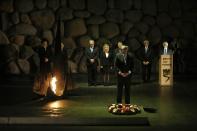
57 91
53 85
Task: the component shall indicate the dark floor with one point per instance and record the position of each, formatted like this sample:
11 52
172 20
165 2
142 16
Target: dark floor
175 106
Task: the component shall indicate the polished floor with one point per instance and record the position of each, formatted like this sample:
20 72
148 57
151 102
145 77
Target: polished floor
175 106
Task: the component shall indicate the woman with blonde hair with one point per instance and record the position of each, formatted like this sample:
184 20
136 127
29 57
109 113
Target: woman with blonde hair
106 61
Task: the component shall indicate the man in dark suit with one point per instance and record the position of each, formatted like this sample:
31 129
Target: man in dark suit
124 64
42 78
165 50
44 54
92 62
145 56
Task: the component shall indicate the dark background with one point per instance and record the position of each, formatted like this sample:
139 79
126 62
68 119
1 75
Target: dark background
23 23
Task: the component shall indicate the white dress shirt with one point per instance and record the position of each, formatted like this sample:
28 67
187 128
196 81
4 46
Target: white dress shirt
165 50
91 49
107 55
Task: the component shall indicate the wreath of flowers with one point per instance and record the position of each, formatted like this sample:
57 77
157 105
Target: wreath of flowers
124 109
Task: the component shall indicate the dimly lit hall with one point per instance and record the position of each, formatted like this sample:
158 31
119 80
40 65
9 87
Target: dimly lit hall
98 65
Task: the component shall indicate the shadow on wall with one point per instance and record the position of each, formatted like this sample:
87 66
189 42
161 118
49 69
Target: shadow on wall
24 23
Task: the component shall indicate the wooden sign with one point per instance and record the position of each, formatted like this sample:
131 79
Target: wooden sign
166 70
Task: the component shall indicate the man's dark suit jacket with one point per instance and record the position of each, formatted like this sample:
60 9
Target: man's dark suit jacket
124 67
44 66
91 55
142 56
169 52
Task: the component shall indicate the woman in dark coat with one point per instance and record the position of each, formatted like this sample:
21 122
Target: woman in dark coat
44 54
106 62
42 81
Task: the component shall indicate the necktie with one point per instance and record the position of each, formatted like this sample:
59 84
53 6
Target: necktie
165 51
125 59
146 50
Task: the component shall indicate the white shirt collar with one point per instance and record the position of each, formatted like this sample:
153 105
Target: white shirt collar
107 54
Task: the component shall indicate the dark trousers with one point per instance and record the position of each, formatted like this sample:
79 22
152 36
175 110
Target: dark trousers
146 71
92 73
123 84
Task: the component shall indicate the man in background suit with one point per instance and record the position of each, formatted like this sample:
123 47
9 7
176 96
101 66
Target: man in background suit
124 64
92 62
165 50
44 54
42 78
117 50
145 56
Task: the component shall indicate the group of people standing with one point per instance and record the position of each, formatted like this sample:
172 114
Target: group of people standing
119 60
96 58
106 60
123 63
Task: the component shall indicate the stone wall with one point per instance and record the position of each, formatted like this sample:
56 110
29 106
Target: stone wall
23 23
